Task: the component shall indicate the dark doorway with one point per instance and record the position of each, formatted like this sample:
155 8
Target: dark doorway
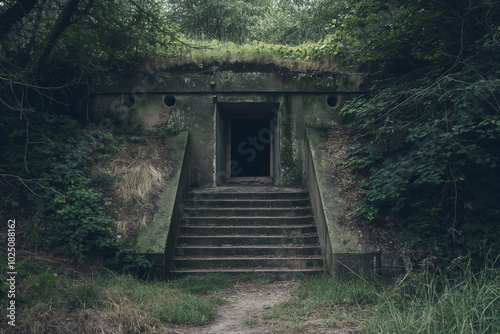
250 148
246 142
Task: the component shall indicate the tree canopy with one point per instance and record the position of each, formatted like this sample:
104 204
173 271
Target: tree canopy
427 157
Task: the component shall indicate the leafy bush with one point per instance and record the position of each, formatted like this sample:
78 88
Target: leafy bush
403 35
68 215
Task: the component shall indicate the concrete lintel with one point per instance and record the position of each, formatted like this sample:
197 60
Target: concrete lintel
234 82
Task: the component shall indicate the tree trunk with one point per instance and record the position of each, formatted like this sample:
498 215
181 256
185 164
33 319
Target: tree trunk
15 14
62 22
34 33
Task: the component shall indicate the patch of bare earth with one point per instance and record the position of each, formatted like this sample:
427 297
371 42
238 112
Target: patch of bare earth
248 305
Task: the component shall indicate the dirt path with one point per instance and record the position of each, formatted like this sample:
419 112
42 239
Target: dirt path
247 301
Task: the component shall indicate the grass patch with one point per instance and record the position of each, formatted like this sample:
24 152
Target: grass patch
133 178
461 299
304 57
323 300
202 283
53 301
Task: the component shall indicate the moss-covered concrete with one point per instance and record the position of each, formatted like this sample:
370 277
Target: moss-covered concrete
299 104
157 240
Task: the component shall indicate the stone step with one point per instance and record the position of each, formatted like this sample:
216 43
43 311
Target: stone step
255 250
278 274
257 221
247 212
240 230
248 262
214 240
201 195
247 230
248 203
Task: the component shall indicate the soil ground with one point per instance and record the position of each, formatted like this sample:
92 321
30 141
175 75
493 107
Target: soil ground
248 302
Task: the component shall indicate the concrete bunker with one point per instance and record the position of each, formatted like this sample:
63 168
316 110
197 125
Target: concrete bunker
242 127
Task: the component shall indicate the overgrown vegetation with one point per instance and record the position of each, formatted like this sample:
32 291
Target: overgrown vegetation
427 159
51 54
213 55
458 299
58 296
428 151
47 187
269 21
132 179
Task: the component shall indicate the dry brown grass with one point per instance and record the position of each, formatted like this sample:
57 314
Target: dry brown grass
139 179
139 171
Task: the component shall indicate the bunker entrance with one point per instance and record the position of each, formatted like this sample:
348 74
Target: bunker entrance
249 140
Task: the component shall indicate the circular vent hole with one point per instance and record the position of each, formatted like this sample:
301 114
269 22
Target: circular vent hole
128 100
169 100
332 101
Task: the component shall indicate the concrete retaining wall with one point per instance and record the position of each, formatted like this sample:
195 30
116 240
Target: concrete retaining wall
342 248
157 240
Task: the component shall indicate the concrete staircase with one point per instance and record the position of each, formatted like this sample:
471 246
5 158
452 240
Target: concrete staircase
238 230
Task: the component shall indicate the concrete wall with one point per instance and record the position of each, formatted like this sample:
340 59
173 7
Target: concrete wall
157 240
342 248
199 104
140 102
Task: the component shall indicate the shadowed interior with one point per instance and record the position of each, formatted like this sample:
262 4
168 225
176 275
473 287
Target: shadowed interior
250 147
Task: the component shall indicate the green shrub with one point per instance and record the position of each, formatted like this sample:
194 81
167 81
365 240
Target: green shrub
68 215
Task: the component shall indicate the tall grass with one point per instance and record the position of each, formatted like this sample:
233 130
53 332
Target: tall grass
460 299
324 300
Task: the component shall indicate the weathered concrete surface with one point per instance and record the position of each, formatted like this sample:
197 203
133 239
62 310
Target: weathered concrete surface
297 103
301 100
343 250
157 239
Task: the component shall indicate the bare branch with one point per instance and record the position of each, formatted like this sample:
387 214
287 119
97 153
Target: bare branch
25 182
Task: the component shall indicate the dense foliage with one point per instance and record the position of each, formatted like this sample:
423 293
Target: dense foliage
430 134
276 22
51 52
